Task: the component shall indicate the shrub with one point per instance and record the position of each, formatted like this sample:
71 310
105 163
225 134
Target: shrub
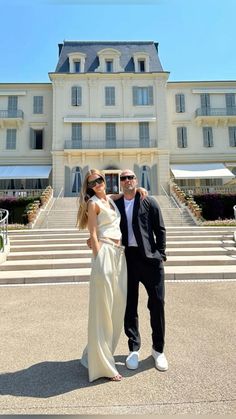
216 206
16 208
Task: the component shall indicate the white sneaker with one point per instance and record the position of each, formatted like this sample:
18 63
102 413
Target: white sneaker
161 363
132 360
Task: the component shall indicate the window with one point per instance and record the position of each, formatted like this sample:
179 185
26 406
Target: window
144 134
205 103
230 103
110 96
207 137
109 66
12 106
232 136
141 66
182 137
77 66
36 139
11 139
142 96
76 135
76 96
146 177
38 104
179 103
110 135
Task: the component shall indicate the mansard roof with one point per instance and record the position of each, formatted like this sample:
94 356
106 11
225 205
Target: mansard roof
92 48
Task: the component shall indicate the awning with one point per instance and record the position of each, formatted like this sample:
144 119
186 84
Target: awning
201 171
25 172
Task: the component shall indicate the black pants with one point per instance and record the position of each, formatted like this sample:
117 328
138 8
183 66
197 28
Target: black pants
152 277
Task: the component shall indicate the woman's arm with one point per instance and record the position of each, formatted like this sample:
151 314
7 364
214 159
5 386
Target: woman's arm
93 211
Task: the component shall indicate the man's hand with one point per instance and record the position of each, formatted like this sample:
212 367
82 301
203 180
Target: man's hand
89 243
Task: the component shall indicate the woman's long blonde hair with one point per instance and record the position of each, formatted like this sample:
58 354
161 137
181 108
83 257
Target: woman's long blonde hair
85 194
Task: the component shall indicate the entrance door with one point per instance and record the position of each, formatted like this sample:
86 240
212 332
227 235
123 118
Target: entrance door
112 183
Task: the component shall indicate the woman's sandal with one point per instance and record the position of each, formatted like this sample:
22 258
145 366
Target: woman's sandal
117 377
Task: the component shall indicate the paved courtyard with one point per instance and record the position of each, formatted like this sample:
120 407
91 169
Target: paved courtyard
43 332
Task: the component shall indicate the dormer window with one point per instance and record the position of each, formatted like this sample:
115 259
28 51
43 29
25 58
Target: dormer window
141 66
109 61
77 66
77 62
141 62
109 66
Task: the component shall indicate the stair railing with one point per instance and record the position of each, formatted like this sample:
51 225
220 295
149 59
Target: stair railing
4 214
173 203
54 202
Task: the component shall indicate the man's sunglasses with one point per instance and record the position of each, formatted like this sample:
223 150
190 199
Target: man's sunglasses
93 183
128 177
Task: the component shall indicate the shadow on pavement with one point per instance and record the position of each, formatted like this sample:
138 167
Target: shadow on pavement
49 378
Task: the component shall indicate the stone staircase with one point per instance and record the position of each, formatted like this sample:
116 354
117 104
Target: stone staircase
62 255
63 211
172 215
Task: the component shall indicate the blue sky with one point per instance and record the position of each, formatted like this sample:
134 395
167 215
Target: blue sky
196 37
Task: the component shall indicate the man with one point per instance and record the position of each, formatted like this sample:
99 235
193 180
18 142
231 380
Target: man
144 238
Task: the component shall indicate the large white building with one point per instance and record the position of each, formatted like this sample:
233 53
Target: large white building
109 105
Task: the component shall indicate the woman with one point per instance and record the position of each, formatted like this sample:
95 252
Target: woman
108 281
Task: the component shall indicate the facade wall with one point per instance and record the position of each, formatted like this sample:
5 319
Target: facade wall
23 153
150 163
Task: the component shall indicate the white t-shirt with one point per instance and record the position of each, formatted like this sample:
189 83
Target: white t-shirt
129 206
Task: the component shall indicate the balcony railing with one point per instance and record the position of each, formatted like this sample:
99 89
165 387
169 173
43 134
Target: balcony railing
11 114
231 111
75 144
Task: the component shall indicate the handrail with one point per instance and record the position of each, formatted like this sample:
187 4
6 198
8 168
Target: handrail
54 202
173 202
4 227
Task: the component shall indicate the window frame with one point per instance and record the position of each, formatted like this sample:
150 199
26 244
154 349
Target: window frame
143 96
38 104
11 135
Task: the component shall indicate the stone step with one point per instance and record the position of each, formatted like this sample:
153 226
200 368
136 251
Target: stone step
49 247
176 273
83 262
51 254
81 252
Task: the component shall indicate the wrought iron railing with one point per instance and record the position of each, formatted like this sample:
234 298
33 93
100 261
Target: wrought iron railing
102 144
205 111
4 214
11 114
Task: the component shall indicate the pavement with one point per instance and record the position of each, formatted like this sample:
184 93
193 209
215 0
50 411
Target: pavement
43 330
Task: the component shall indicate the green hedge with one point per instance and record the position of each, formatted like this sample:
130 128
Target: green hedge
16 208
216 206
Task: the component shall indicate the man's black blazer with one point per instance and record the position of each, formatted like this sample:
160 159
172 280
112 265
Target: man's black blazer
148 226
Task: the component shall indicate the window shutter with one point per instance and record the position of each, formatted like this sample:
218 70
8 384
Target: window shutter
32 139
150 95
184 137
232 136
43 133
143 130
179 137
76 96
110 96
135 95
12 103
76 132
207 137
177 103
230 100
205 100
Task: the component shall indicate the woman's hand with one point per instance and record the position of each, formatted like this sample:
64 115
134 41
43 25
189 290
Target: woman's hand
143 192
